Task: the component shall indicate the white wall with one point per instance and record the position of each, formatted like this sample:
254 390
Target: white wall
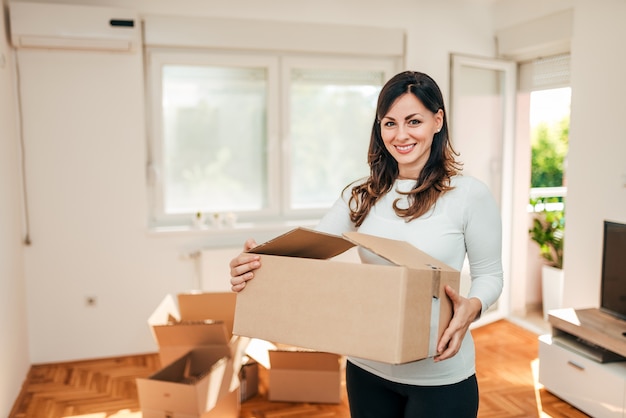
14 354
86 182
596 169
596 173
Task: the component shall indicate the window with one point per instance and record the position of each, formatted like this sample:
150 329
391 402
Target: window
329 124
264 137
547 80
214 138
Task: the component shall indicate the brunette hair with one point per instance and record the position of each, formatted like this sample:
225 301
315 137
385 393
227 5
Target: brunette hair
434 179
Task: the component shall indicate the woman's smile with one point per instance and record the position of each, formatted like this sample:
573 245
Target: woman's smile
405 149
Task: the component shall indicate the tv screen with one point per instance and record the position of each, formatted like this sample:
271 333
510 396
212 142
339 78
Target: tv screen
613 280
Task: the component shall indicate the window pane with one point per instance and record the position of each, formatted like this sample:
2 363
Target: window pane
214 129
331 118
549 121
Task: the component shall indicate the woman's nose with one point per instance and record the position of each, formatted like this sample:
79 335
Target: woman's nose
403 131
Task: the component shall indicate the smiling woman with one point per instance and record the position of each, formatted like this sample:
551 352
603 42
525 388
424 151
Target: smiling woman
415 193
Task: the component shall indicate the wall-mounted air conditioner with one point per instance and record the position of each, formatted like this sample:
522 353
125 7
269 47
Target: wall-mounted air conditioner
65 26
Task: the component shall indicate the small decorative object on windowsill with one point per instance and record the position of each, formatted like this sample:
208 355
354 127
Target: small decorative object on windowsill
198 220
547 231
217 220
230 219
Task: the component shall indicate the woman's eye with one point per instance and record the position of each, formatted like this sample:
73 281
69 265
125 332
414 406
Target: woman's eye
389 124
413 122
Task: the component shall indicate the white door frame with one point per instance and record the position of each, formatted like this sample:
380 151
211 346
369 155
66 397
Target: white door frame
508 70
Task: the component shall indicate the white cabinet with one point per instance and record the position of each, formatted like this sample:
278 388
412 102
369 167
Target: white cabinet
598 389
583 362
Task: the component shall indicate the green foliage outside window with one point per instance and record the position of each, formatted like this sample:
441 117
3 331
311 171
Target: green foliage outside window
548 230
549 151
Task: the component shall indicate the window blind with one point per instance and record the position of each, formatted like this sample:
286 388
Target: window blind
545 73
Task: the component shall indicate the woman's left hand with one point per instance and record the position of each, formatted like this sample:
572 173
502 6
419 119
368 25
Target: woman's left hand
465 311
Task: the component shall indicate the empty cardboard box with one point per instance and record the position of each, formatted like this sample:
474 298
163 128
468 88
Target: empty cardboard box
394 313
304 376
190 386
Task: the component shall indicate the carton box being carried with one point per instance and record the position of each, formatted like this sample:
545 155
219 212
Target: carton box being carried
199 359
394 312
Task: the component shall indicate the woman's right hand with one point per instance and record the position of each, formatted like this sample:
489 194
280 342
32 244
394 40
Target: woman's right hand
242 267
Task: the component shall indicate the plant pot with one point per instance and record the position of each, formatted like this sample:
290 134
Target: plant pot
552 280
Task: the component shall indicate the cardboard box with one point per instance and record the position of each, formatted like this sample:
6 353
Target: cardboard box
196 383
249 379
198 319
392 313
199 356
199 306
226 407
304 376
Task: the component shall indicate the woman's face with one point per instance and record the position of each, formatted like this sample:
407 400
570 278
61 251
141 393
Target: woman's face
407 131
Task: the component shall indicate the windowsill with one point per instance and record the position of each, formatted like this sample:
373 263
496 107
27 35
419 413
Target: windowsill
228 236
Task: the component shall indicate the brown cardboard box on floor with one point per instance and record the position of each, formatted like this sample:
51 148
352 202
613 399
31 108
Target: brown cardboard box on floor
304 376
393 313
249 379
177 328
198 306
192 386
296 374
199 357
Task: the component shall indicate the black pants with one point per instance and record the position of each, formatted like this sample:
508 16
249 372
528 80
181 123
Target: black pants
371 396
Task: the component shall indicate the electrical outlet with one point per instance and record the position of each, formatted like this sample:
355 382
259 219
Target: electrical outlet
91 301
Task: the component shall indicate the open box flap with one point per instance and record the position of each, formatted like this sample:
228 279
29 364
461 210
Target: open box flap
191 334
400 253
259 350
165 313
200 306
304 243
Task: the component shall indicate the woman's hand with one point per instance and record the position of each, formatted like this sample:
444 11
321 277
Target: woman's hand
465 312
242 267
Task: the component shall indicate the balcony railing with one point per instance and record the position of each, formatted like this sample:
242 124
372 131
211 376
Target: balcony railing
547 198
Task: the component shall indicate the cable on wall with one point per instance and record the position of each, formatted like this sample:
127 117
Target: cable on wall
22 150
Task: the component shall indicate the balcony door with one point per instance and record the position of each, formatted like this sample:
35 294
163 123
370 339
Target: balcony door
482 131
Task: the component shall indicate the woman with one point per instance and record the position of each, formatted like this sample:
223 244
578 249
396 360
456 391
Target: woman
415 193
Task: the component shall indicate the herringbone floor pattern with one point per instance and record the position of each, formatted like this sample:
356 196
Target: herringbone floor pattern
506 358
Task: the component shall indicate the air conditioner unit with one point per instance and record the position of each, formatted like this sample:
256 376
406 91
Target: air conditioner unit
65 26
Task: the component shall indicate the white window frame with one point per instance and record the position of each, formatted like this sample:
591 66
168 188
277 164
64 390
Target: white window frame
289 63
282 45
278 136
156 60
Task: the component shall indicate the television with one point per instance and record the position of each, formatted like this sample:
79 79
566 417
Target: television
613 279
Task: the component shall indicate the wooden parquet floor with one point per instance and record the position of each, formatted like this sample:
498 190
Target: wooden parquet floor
506 361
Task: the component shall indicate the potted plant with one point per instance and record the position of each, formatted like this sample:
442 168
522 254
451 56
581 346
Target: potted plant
548 228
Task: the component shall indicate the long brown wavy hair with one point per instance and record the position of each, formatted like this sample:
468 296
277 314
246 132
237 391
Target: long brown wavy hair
434 179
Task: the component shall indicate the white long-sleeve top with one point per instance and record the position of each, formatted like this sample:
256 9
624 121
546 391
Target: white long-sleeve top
464 221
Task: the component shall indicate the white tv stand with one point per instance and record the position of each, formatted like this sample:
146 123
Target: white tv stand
584 361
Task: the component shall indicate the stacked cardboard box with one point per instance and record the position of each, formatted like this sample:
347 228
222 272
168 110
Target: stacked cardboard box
200 359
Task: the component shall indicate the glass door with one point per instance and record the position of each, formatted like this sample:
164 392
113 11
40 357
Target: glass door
481 119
